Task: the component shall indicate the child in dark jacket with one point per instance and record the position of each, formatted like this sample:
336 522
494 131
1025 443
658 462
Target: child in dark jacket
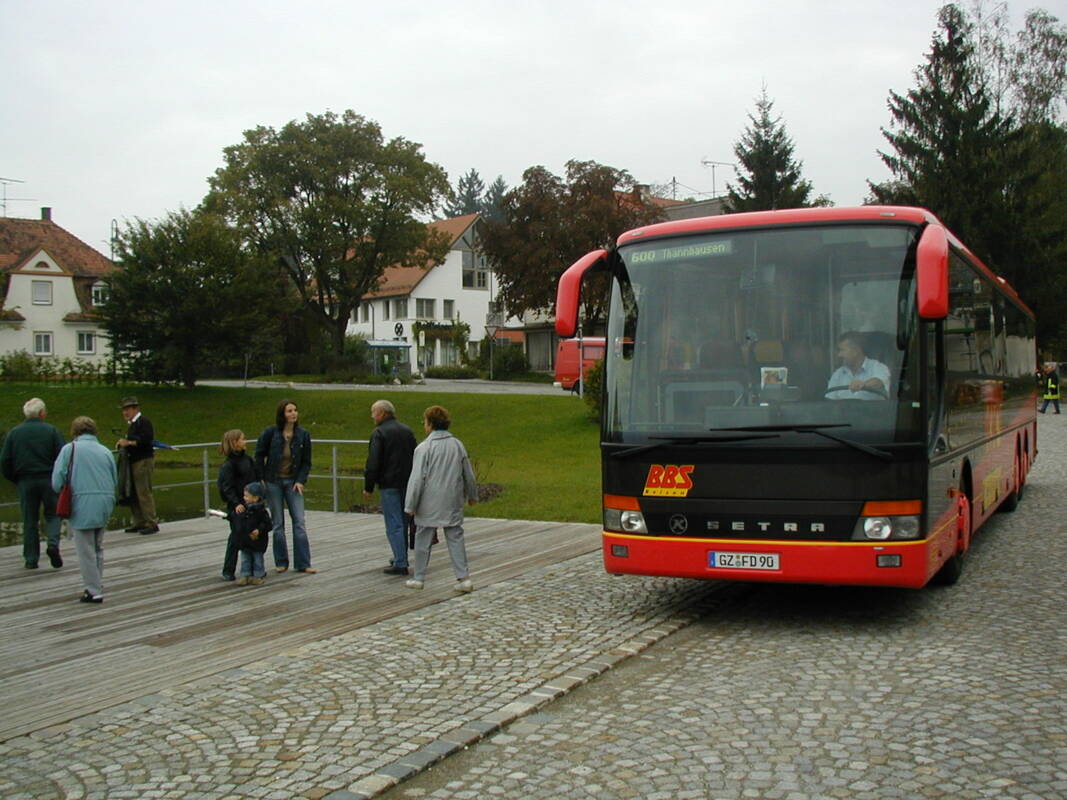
235 473
252 530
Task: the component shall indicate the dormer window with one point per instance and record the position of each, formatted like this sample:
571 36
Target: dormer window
42 293
100 293
41 265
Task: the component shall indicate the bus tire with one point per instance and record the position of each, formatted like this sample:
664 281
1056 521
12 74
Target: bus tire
952 569
1011 500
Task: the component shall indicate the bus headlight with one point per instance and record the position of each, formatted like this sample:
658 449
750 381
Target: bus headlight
881 529
626 521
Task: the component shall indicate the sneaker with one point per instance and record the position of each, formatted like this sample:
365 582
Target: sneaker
243 580
90 598
54 557
413 584
281 569
464 586
308 570
396 570
255 581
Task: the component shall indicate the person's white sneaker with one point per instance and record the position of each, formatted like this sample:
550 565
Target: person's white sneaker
413 584
464 586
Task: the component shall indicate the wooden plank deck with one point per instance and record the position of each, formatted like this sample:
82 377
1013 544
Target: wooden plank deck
168 617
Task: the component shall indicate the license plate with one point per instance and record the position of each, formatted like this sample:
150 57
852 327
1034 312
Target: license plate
718 560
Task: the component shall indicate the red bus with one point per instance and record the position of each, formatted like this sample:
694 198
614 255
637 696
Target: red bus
827 395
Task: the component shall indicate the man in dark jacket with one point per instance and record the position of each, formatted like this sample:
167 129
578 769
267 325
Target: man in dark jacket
139 450
29 451
388 466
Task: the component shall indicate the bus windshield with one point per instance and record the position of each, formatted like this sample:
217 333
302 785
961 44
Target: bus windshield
781 329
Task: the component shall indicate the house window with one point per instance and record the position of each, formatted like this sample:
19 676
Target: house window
400 308
42 293
100 293
424 309
364 312
385 310
86 343
42 343
475 270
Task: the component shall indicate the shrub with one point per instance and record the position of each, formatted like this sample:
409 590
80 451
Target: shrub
593 394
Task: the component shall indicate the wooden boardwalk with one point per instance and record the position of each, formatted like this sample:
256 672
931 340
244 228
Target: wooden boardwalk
169 618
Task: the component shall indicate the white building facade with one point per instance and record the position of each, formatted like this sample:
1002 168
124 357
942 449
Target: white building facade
458 289
53 282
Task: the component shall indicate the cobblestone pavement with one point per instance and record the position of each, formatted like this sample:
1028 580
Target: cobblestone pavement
818 692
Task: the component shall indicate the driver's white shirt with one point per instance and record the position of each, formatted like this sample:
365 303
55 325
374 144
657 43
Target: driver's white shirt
843 376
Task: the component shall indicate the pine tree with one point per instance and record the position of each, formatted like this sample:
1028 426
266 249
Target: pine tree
769 177
468 196
493 201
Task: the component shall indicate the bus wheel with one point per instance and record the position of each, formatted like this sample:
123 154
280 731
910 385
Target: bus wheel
952 569
1011 502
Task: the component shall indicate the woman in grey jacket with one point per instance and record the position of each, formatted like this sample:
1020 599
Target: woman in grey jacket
93 480
441 479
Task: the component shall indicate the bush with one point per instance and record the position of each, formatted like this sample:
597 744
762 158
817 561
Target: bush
593 394
452 373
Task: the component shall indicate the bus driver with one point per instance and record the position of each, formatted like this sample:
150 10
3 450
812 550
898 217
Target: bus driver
858 377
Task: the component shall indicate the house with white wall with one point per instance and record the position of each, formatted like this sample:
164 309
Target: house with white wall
457 289
52 284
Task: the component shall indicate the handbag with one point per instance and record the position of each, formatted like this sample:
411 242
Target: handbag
65 503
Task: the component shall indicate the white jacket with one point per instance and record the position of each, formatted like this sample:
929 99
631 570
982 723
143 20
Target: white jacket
441 480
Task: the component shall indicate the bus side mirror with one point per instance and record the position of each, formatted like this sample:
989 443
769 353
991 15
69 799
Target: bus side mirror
932 269
569 293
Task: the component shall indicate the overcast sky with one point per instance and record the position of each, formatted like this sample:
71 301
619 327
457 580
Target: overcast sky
117 110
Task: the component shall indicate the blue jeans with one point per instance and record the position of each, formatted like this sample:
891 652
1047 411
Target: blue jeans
252 564
395 529
281 494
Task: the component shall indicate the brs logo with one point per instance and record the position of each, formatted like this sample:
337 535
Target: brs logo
668 480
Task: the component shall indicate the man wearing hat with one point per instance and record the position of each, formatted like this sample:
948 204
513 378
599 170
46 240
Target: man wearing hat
138 444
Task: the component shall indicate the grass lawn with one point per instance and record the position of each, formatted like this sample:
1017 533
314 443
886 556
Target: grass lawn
542 450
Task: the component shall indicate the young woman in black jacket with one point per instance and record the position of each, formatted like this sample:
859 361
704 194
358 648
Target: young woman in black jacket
236 472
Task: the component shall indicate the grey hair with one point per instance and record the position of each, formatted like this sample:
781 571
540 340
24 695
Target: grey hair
384 406
33 407
82 425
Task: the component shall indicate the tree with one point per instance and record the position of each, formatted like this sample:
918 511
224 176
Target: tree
333 203
468 196
493 200
188 295
549 222
770 178
967 145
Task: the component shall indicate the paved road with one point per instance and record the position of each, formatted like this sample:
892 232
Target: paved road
429 385
815 692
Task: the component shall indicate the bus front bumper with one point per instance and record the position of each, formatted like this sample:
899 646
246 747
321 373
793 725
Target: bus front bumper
905 564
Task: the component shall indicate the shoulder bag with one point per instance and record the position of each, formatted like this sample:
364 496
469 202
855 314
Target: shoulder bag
65 503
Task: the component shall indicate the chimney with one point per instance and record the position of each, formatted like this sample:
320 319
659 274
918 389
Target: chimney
46 213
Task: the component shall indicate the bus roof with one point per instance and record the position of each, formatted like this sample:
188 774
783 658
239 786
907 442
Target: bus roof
814 216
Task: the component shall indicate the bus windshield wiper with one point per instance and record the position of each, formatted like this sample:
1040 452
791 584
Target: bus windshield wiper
665 440
818 430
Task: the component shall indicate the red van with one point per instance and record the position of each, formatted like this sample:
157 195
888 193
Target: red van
567 377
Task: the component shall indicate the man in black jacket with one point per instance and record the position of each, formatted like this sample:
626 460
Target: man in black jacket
139 450
26 460
388 466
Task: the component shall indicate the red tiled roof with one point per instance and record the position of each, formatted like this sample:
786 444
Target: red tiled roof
403 280
20 239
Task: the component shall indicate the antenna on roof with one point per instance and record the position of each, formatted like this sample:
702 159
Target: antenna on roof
708 163
4 198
